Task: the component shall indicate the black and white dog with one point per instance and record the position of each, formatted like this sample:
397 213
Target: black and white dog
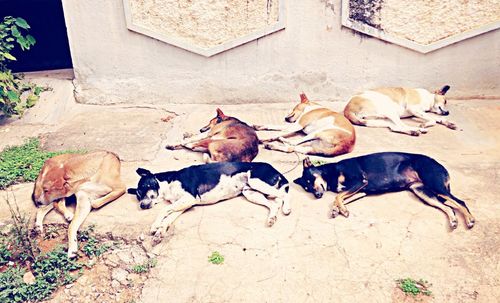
385 172
259 183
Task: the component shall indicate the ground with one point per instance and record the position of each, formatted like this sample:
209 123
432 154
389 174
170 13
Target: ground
306 256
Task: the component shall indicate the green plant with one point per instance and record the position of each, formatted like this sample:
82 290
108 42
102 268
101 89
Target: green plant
51 232
5 254
319 162
23 163
216 258
14 30
412 287
23 244
92 247
145 267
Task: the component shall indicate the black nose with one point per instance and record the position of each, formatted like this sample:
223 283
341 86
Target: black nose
145 206
445 113
287 119
318 195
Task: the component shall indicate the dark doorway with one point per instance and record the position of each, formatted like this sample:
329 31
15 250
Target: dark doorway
46 18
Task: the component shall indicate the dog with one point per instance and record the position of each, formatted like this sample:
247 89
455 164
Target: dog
384 172
94 178
205 184
328 133
224 139
383 107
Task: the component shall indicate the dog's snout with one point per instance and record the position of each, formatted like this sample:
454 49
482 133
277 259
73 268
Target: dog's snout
318 195
287 119
445 113
204 129
145 205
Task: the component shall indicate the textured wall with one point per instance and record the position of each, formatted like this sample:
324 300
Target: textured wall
313 54
427 21
205 23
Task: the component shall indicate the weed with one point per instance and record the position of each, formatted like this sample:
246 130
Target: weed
216 258
51 232
23 244
319 162
23 163
5 254
145 267
412 287
15 95
92 247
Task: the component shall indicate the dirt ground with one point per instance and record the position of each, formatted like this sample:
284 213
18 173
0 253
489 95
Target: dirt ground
306 256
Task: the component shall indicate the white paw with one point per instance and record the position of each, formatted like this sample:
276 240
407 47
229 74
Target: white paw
69 216
271 221
286 210
39 228
72 250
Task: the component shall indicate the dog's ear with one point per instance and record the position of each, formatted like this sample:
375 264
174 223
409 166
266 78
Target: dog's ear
298 181
220 113
307 163
443 90
143 172
303 98
132 191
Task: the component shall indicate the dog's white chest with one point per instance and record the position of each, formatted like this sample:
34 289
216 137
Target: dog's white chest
228 187
171 191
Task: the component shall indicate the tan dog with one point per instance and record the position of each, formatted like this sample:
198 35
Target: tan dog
223 139
383 107
328 133
94 178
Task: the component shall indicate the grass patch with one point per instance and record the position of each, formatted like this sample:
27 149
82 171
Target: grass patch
412 287
216 258
319 162
92 247
145 267
23 163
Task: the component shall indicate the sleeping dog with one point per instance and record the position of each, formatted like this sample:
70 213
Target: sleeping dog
379 173
383 107
206 184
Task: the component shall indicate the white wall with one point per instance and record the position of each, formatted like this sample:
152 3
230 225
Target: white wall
313 54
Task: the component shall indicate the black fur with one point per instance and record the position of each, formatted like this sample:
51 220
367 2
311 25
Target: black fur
198 179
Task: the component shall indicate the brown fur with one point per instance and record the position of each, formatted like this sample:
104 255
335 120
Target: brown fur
337 140
228 139
93 177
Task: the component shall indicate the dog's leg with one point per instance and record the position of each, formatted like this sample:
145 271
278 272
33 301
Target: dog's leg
431 121
189 140
459 205
281 127
259 198
339 206
400 127
182 204
290 130
280 194
165 225
306 138
112 194
40 214
419 190
60 206
83 208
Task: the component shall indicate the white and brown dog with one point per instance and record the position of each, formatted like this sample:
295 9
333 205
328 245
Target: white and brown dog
94 178
383 107
328 133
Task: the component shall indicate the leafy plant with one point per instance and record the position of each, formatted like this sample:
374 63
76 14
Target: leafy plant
23 163
23 245
145 267
5 254
14 31
412 287
92 246
216 258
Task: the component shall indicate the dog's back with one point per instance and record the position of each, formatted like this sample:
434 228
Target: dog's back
233 140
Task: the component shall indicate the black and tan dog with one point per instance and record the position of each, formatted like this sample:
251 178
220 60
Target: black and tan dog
223 139
385 172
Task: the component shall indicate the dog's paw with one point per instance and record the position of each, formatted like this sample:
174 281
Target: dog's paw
172 147
39 229
423 130
451 125
453 224
69 216
344 212
335 212
72 250
271 221
471 222
414 133
286 210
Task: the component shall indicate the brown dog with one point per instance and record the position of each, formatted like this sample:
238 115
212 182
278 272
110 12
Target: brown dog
223 139
328 133
94 178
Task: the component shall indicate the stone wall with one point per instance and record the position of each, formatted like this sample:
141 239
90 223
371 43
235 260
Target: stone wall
314 54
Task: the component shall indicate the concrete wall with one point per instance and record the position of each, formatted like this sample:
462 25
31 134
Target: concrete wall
313 54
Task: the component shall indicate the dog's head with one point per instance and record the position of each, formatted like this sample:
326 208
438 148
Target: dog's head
51 183
312 180
439 106
298 109
148 189
219 118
